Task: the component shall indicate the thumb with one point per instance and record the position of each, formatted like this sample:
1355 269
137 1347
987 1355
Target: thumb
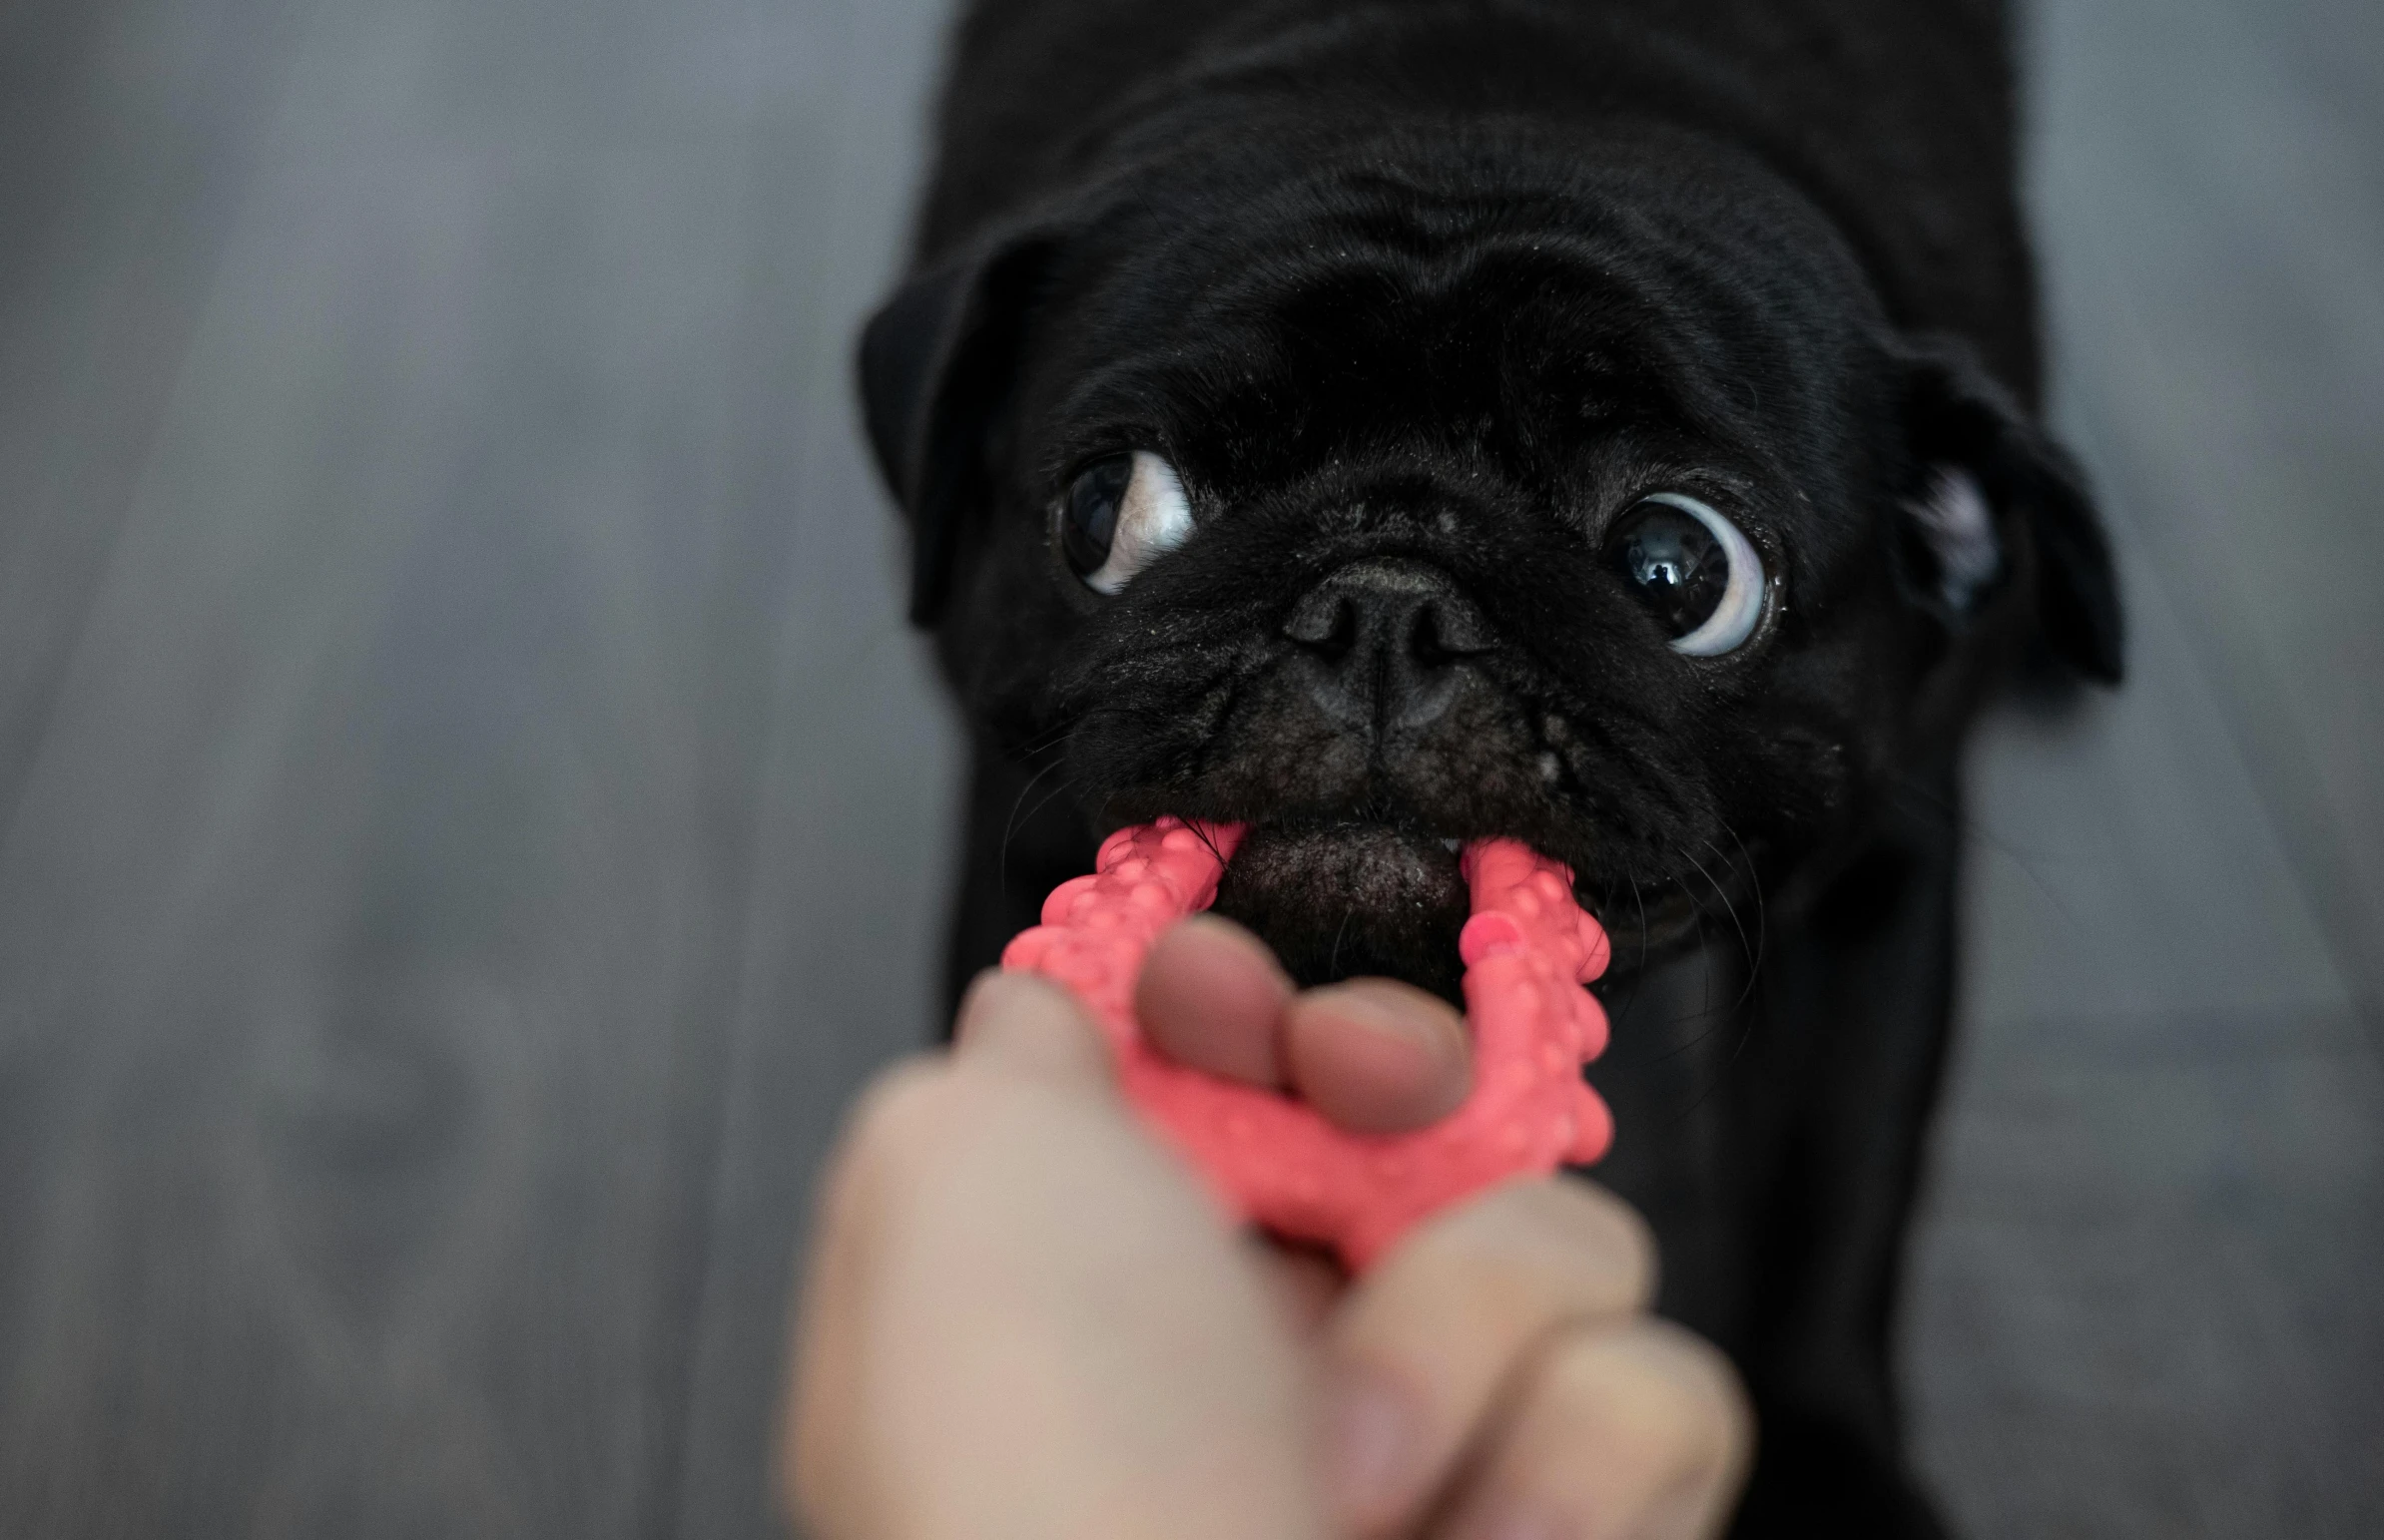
1025 1318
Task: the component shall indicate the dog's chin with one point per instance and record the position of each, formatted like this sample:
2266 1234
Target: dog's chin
1339 900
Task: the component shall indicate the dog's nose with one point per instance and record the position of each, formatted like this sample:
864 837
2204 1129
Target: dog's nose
1382 637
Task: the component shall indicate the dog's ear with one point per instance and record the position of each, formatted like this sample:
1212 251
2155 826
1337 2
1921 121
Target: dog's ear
936 362
1995 497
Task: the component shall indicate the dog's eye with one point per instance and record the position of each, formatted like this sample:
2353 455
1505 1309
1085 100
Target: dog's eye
1693 569
1120 515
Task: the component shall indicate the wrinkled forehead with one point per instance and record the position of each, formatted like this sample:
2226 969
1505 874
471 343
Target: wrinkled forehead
1335 312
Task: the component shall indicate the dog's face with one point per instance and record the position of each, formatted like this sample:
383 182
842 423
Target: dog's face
1387 507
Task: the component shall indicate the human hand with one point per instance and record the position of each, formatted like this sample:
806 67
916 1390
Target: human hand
1495 1376
1023 1319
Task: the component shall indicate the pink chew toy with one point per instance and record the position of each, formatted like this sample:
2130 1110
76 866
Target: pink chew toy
1272 1159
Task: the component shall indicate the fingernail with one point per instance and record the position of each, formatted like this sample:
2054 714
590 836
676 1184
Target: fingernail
1372 1445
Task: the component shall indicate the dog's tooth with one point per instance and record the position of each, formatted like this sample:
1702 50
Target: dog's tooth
1453 845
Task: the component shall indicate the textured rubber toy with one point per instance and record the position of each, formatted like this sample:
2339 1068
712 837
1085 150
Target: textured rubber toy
1272 1159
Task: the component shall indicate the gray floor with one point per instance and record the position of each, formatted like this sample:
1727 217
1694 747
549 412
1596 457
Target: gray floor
471 812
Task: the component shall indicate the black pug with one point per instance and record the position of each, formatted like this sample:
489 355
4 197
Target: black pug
1608 424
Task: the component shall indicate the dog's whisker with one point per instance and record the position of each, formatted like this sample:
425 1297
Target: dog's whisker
1638 968
1728 908
1009 831
1752 955
1067 784
1200 832
1953 817
1755 886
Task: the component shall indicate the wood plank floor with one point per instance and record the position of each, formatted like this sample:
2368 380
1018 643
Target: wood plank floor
2143 1302
470 814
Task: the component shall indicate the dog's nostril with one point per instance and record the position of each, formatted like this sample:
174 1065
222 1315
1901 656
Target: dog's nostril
1424 639
1324 620
1459 629
1446 632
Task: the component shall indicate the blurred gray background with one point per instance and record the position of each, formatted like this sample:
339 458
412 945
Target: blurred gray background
469 811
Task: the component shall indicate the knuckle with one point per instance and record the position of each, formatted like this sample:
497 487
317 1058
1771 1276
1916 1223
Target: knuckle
1523 1259
1665 1409
899 1119
1692 1358
1597 1241
1621 1231
1729 1410
905 1101
1690 1393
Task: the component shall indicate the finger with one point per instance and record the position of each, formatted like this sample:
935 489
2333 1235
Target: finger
1021 1305
1211 997
1377 1056
1638 1432
820 1458
1028 1025
1425 1341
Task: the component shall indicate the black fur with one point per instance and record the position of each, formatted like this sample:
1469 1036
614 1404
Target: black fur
1419 298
